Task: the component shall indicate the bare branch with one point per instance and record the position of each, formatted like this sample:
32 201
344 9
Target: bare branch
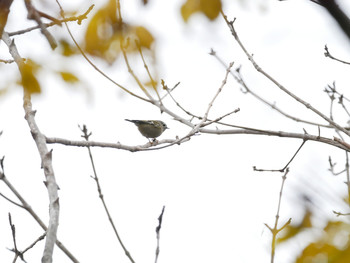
86 135
153 82
243 130
29 209
46 159
15 250
34 243
285 167
276 230
91 63
329 55
138 81
35 15
160 220
218 92
247 90
289 93
79 20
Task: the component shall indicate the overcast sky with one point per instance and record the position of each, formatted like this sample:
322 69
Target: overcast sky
216 205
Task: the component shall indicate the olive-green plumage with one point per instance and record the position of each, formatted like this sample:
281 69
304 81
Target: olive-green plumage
150 129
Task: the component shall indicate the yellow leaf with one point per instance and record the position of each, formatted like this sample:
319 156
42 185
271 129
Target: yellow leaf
100 30
66 48
292 230
188 8
333 246
210 8
144 36
69 77
29 81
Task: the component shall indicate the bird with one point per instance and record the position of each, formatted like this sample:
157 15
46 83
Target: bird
151 129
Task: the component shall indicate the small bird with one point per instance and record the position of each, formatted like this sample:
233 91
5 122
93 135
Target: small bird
150 129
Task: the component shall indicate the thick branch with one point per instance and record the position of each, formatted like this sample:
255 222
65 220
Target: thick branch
46 160
338 14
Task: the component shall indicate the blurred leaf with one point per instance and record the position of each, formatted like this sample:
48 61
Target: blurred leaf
29 80
188 8
69 77
66 48
210 8
101 29
106 32
4 91
144 36
292 230
332 246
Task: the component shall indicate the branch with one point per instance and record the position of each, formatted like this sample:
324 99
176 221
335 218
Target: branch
338 14
28 208
86 136
260 70
91 63
118 145
160 220
46 159
35 15
329 55
15 250
276 230
285 167
244 130
79 20
245 89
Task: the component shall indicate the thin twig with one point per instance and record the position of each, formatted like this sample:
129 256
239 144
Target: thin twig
86 136
276 230
285 167
165 87
34 243
217 93
153 83
11 201
329 55
347 175
332 167
138 81
91 63
6 61
29 209
281 87
79 20
15 249
34 14
245 89
160 220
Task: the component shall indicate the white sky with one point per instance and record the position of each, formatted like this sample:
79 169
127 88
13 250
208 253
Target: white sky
216 206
